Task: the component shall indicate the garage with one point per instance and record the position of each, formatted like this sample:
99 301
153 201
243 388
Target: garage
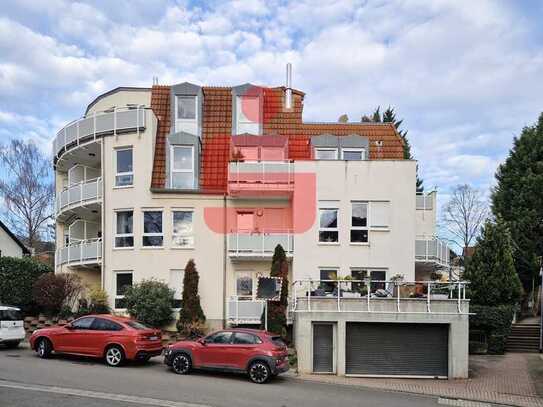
397 349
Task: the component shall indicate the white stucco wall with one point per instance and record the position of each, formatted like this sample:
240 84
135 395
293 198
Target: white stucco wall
122 98
8 246
426 218
341 182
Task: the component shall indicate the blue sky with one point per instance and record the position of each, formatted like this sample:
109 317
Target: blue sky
465 76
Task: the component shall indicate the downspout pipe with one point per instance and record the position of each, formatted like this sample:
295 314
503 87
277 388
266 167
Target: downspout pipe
225 253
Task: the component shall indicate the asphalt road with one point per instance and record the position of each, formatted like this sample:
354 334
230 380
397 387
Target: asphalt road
64 381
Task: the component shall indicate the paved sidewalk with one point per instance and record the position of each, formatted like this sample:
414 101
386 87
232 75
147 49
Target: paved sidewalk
496 379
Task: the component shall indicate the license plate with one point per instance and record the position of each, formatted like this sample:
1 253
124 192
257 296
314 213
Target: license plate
153 338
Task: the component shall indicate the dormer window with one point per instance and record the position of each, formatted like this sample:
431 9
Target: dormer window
248 114
326 154
182 167
186 113
353 154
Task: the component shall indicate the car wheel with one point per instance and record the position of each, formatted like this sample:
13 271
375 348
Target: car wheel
181 363
44 348
12 345
259 372
114 356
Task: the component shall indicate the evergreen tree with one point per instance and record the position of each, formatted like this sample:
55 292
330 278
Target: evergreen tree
277 310
191 310
491 270
343 118
518 200
389 116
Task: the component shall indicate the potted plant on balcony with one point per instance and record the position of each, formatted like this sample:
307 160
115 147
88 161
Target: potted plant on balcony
438 291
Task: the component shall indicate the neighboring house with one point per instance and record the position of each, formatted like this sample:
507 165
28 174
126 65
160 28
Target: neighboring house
10 245
152 177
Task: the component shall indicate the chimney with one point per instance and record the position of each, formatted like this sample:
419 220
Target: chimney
288 90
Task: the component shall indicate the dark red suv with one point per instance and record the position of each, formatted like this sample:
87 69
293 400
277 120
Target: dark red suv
260 354
113 338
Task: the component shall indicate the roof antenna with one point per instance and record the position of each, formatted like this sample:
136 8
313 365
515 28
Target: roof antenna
288 90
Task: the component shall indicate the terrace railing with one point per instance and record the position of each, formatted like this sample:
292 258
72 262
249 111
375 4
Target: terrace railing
259 244
380 296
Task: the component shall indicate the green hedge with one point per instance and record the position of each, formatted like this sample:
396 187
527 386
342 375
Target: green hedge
16 279
495 323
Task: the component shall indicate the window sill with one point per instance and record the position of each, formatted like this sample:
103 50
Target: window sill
123 186
152 247
328 243
359 243
374 229
182 248
123 248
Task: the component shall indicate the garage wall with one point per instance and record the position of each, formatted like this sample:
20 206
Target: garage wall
457 347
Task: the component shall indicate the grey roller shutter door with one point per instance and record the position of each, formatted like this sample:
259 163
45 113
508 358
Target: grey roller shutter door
397 349
323 348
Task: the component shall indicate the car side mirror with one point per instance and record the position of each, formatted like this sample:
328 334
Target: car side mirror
69 326
203 341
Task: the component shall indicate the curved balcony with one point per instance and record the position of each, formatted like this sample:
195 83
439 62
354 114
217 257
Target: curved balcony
98 124
83 196
80 253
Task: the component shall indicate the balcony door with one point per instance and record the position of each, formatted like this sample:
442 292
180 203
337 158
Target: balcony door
245 222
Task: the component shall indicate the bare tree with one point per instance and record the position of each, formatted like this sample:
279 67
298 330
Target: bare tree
27 189
464 214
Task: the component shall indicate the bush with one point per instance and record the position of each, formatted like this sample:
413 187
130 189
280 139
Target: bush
53 292
17 277
98 302
191 311
495 323
150 302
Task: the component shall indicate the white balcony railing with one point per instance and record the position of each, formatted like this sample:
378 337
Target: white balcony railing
385 297
80 252
432 250
79 194
270 175
259 244
425 202
97 124
244 311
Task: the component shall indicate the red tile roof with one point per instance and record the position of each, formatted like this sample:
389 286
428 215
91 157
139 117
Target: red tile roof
217 130
160 103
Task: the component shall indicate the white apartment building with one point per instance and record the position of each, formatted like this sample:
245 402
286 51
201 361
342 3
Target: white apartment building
149 178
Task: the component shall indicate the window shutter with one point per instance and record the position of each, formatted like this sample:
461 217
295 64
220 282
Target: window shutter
379 213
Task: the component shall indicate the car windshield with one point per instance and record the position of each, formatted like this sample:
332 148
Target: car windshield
137 325
11 315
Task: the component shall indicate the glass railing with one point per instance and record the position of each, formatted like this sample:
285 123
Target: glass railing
79 194
80 252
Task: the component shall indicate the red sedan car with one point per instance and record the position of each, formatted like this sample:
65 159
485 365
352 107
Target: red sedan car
116 339
259 354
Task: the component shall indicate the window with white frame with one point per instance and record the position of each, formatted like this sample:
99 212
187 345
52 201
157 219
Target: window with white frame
353 154
328 287
124 228
183 234
124 175
176 284
376 278
123 281
248 114
152 229
182 167
186 108
328 225
359 222
326 153
245 285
